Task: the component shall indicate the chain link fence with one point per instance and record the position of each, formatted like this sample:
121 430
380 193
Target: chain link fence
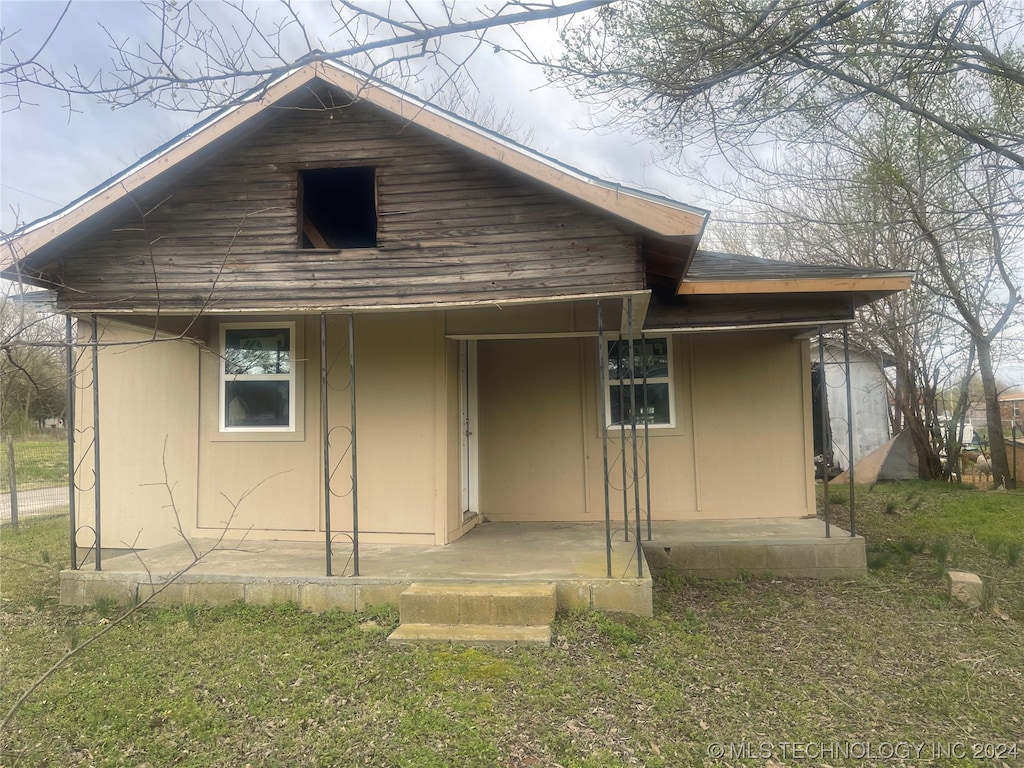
33 477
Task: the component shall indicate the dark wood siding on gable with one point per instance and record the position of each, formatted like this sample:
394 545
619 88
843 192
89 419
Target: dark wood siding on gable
451 228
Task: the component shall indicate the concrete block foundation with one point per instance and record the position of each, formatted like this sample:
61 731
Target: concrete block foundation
785 549
568 557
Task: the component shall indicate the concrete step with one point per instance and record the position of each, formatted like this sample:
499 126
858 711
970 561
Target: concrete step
500 635
476 613
479 603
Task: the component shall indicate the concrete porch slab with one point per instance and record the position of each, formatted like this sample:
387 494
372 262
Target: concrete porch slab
786 548
570 556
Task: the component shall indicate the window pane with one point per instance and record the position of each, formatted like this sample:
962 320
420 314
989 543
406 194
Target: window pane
656 357
256 403
257 351
651 353
657 411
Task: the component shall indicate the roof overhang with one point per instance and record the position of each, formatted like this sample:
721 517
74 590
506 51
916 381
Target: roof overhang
753 285
723 291
736 312
666 259
877 285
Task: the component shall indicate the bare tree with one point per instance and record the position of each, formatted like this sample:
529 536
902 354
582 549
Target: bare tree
882 190
972 239
839 220
730 71
891 130
461 96
204 55
33 385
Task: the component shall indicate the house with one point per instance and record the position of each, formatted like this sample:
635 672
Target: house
1011 408
857 400
333 312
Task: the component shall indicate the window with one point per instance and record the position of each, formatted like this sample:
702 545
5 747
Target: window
257 392
655 356
338 208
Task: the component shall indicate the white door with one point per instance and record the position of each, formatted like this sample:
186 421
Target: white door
469 452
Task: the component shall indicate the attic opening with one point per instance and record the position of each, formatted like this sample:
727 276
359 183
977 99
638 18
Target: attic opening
338 208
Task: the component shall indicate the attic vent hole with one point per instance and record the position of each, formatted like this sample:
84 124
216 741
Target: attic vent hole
338 208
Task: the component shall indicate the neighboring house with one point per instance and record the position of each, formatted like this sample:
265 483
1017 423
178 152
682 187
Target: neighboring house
228 274
869 395
1011 408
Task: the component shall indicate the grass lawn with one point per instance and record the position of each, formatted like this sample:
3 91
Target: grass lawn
39 464
753 672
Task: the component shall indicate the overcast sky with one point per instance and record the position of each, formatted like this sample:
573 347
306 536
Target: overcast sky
50 154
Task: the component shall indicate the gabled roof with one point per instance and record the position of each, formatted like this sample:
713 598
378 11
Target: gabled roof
658 215
882 359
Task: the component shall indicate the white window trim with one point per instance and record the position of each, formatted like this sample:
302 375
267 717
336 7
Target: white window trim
223 377
668 379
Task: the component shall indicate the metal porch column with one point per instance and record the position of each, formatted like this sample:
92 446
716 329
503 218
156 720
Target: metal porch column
824 431
647 440
69 425
355 442
602 384
325 437
622 435
632 430
96 437
849 425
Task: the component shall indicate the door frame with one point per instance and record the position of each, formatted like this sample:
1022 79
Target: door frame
469 431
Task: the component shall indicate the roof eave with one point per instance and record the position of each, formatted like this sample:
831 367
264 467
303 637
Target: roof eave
31 238
882 284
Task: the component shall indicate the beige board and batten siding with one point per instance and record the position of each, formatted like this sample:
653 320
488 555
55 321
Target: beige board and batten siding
531 429
452 227
276 472
541 453
397 372
738 448
751 424
168 391
149 405
398 359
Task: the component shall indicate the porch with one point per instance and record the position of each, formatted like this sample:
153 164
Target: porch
571 556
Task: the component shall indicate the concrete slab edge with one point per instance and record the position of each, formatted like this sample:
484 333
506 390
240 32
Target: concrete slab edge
84 588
